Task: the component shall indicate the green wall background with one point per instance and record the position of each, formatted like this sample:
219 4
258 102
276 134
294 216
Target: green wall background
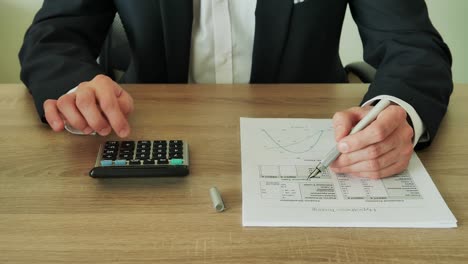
448 16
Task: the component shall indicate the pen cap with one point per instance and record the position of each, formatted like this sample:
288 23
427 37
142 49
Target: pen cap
218 204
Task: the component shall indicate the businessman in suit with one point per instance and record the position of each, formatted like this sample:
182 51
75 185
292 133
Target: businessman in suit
235 41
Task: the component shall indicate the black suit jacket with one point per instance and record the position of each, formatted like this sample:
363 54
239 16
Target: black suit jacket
294 43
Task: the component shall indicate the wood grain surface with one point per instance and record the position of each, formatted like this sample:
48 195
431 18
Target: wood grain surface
51 211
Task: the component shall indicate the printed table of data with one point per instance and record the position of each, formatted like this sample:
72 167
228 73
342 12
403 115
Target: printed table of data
398 187
289 183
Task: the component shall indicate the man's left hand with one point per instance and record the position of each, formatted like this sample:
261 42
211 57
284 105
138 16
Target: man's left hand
382 149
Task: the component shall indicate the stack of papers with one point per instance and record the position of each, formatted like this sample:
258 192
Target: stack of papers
278 156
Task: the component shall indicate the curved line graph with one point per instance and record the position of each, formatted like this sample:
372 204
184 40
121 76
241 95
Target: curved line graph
318 134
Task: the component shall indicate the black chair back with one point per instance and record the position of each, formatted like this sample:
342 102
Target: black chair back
115 54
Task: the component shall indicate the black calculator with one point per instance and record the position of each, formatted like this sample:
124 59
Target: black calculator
144 158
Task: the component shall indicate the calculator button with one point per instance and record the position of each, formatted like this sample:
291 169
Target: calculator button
143 156
144 142
106 162
109 156
126 156
112 143
177 161
110 152
156 151
160 142
134 162
175 150
159 155
142 151
111 147
159 146
127 144
149 162
176 156
175 144
159 151
163 161
175 147
120 162
126 150
143 147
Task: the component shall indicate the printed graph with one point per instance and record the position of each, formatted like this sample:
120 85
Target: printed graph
296 140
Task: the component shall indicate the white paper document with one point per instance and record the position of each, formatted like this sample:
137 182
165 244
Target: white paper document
278 156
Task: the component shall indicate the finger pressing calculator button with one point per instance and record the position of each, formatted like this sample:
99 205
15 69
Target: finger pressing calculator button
106 162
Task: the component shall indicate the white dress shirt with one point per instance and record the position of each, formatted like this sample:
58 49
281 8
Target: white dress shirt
222 45
222 41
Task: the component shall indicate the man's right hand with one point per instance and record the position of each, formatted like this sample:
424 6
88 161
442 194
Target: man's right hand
100 105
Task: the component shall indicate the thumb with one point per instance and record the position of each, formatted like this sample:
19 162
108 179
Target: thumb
344 121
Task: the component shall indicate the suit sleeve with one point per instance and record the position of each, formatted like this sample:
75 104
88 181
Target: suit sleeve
413 63
61 47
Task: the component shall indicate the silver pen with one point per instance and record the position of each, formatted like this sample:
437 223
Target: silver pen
333 154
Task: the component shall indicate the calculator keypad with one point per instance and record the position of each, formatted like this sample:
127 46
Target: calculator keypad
143 152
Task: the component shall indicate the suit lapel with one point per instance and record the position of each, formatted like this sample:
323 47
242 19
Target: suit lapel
271 32
177 18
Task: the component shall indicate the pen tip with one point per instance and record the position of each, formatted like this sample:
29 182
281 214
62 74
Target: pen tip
314 173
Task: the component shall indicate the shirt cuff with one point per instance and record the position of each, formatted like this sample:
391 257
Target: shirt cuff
73 130
420 133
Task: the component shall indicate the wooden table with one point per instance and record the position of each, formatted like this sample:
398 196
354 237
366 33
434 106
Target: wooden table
52 212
